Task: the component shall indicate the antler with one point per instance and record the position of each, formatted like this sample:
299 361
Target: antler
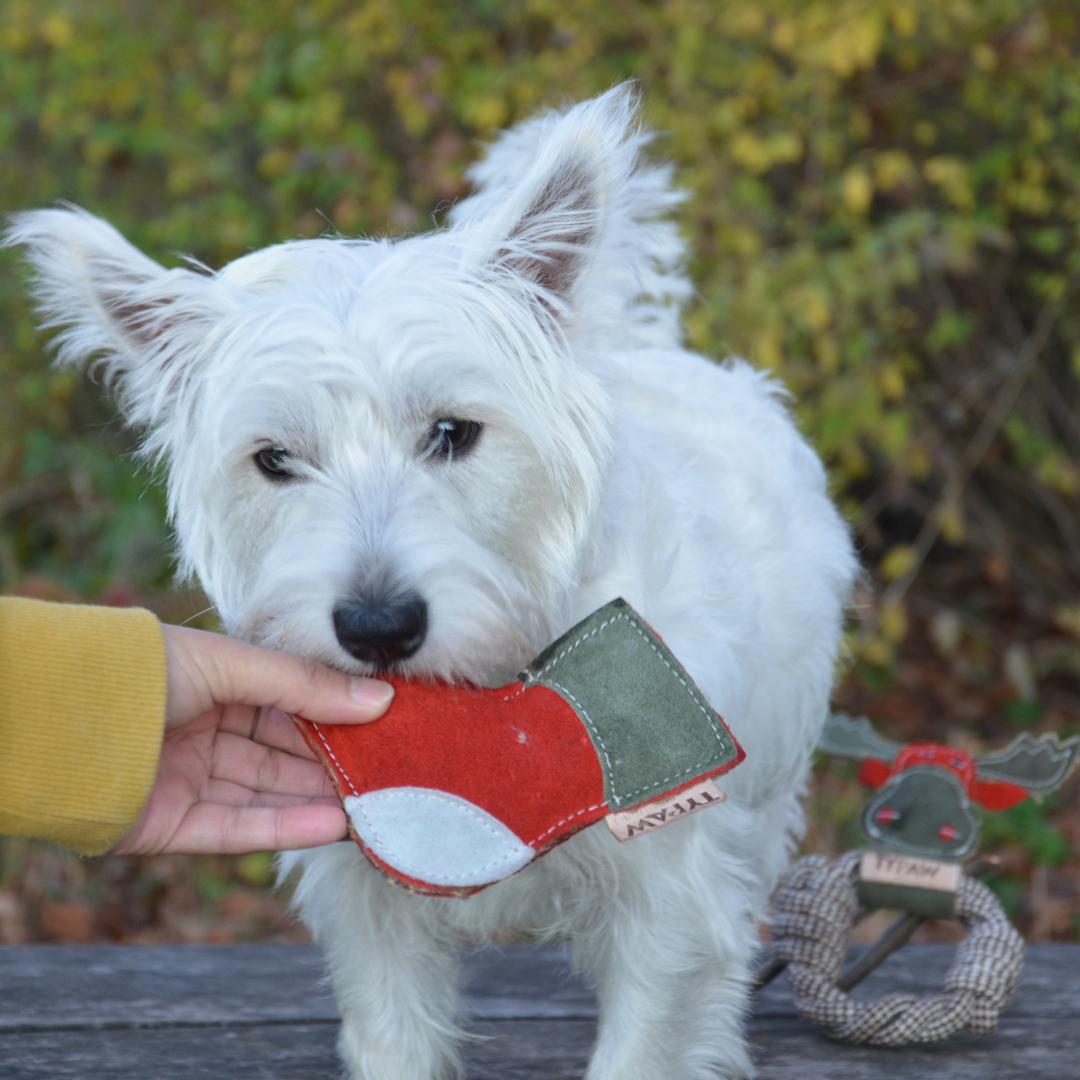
849 738
1038 764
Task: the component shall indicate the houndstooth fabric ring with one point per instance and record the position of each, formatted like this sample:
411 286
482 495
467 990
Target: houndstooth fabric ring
815 909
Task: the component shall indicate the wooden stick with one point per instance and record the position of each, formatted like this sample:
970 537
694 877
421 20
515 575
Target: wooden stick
894 938
766 973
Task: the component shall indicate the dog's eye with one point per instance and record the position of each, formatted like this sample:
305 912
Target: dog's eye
450 437
271 461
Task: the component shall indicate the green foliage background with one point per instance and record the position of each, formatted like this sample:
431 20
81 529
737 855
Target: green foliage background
885 205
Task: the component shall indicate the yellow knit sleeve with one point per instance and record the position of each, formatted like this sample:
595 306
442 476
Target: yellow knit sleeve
82 711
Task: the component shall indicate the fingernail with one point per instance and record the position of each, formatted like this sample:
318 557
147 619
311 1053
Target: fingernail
370 692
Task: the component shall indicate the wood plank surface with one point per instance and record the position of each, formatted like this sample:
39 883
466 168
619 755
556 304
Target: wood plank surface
247 1012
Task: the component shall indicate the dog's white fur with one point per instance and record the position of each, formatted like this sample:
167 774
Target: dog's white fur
611 463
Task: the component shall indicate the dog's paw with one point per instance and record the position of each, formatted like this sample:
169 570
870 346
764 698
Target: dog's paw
404 1055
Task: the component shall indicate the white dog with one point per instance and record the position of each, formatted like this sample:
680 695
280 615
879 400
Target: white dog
435 456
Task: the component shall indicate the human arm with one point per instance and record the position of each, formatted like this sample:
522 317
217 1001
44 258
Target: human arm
83 697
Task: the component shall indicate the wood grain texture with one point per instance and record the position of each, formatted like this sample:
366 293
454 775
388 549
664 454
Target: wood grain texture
255 1012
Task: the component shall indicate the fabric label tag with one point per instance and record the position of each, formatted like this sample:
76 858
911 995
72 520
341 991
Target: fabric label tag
627 824
882 869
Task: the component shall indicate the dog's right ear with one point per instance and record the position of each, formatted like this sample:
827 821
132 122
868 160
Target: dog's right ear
568 210
145 325
561 193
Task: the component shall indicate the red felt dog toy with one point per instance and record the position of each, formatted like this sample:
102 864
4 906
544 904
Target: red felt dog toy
458 787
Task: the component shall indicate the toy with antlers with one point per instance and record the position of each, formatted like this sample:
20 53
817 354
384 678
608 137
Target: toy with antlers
921 828
921 814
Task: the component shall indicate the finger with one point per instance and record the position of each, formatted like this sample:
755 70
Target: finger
208 669
260 768
230 830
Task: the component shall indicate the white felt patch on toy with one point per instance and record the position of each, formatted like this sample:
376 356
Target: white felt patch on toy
436 837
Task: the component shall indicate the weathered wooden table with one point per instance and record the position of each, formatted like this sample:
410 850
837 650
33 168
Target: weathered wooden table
247 1012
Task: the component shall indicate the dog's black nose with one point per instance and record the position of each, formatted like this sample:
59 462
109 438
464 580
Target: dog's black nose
380 632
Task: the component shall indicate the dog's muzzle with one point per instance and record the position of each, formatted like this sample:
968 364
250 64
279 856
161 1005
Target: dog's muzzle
379 633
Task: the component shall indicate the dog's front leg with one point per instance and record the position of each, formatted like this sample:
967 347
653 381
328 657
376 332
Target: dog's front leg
670 960
392 966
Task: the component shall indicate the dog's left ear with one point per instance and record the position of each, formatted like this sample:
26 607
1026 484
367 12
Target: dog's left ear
552 238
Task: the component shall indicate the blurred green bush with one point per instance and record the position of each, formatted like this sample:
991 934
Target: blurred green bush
885 205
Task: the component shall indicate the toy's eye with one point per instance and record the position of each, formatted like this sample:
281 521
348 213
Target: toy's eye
272 462
887 816
948 833
450 437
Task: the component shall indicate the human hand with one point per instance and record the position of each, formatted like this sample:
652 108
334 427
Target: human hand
235 774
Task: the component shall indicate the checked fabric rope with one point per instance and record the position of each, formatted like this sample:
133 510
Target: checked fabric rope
815 909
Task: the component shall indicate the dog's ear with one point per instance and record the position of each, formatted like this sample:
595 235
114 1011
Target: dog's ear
552 237
564 191
573 212
145 325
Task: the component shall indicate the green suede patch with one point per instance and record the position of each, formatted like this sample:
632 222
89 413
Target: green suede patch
849 738
651 727
1038 764
921 801
933 903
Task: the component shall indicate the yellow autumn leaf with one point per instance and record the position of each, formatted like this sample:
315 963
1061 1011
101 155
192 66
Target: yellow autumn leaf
905 21
486 111
892 168
785 35
827 352
897 561
892 382
57 30
1056 471
784 147
893 622
1067 618
750 152
876 651
812 303
953 527
984 56
857 189
951 175
854 45
767 348
274 162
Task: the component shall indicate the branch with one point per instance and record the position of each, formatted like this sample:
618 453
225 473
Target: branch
975 451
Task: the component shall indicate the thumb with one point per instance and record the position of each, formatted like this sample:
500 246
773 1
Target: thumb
206 670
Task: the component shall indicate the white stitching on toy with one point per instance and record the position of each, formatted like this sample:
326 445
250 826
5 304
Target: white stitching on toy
588 720
706 711
587 810
693 697
668 779
570 648
620 799
511 850
341 768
